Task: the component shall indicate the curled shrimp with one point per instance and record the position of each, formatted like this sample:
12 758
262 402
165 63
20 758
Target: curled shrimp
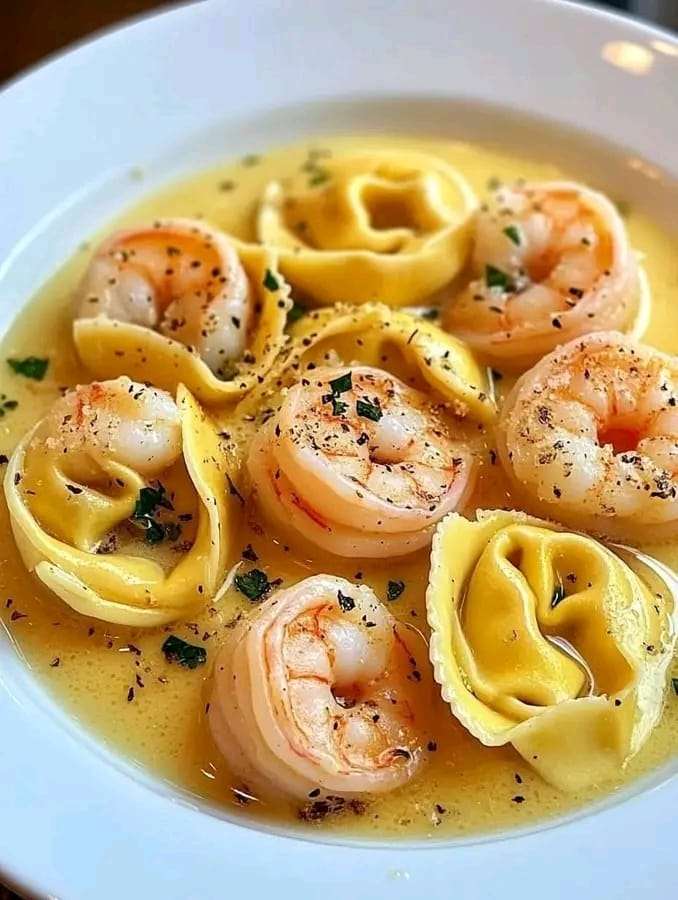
121 420
590 436
318 690
180 277
552 262
359 463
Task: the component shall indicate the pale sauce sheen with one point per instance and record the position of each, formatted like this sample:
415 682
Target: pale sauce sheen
115 680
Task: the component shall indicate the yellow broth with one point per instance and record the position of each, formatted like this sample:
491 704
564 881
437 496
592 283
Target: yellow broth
115 680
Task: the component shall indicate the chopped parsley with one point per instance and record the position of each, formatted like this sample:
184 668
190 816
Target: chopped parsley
342 384
339 386
512 232
320 176
187 655
295 313
151 499
155 532
495 278
253 584
394 589
369 410
270 282
31 367
558 595
346 603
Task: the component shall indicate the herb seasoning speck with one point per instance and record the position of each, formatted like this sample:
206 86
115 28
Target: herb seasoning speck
31 367
180 651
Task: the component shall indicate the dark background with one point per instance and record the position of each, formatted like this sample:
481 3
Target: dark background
32 29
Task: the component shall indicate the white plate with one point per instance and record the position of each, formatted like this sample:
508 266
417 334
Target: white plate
209 81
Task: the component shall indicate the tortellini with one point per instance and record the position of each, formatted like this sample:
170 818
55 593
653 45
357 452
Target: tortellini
84 501
547 640
413 349
389 226
182 303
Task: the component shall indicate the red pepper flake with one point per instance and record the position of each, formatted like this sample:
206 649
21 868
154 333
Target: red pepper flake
130 695
18 615
518 798
55 662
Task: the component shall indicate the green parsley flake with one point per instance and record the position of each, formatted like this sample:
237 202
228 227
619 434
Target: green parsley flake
150 498
253 584
295 313
338 386
155 532
320 176
31 367
495 278
270 282
342 384
512 232
394 589
369 410
346 603
187 655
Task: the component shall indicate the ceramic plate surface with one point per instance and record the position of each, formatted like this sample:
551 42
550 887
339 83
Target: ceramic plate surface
202 83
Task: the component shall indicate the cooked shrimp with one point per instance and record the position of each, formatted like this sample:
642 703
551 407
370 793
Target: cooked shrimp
590 436
180 277
320 689
121 420
552 262
359 464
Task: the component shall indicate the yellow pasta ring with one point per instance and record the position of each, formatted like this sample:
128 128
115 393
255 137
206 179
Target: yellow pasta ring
397 266
125 589
110 348
443 362
482 651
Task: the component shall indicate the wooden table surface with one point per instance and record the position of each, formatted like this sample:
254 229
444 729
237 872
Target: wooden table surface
32 29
